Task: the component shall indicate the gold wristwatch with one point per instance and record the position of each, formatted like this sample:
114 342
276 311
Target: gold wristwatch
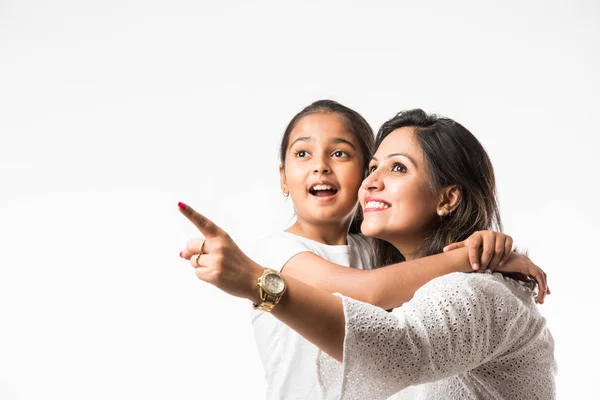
271 286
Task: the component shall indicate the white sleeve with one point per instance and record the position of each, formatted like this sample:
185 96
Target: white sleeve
276 250
453 324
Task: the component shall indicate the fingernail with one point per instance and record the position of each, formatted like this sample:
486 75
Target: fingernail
181 254
475 266
182 205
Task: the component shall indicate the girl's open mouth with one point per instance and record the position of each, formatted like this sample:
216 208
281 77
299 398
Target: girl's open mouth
323 190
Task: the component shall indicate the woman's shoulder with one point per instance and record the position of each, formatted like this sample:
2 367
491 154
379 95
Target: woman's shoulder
482 285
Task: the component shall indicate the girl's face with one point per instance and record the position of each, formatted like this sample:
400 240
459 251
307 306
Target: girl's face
323 169
396 197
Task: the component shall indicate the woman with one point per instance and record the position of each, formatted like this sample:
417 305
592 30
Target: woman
461 335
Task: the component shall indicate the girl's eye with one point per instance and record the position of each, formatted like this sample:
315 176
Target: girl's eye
340 154
398 167
301 153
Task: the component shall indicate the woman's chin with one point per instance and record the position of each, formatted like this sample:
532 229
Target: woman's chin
370 229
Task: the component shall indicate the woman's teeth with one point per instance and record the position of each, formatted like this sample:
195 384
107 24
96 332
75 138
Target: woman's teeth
376 204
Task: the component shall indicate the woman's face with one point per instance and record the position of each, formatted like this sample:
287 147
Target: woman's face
396 197
323 169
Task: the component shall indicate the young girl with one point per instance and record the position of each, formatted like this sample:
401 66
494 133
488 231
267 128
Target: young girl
325 152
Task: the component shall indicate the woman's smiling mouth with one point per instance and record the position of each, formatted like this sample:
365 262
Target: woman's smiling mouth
372 204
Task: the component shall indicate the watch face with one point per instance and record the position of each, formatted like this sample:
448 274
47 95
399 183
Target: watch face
273 283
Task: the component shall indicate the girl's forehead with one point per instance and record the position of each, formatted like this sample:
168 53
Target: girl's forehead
321 126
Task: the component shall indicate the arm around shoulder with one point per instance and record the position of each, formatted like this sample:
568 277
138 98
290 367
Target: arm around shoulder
385 287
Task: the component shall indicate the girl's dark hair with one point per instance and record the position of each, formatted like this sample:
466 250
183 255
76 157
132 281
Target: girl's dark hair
355 123
454 157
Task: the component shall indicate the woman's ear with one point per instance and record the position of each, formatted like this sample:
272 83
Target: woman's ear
283 181
450 198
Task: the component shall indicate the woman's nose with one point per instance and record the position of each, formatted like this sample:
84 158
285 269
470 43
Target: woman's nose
372 182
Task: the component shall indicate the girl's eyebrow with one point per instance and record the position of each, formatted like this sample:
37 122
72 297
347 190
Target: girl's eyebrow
342 140
395 155
333 140
301 139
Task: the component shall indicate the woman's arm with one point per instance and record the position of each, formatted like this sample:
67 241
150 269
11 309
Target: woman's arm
312 312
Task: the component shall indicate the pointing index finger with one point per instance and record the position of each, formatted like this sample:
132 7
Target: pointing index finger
205 226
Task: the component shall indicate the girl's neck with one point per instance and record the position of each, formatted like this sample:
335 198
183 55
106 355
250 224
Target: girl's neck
333 234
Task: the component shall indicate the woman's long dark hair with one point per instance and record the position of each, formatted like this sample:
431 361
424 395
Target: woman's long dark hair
355 123
454 157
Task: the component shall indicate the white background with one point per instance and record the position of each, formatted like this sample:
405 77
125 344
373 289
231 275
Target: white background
113 111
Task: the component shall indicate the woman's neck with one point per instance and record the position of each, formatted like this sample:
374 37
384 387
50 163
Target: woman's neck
333 234
408 246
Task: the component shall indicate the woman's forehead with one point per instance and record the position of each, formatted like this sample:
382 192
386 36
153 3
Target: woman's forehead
402 140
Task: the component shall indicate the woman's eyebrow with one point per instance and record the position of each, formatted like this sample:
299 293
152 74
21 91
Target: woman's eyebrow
395 155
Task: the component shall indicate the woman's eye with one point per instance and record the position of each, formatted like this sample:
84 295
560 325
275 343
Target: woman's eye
398 167
372 169
301 153
340 154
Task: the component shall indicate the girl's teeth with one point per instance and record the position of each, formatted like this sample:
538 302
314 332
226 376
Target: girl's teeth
322 187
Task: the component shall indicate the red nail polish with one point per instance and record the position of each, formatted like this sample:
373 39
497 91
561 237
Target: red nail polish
181 254
182 205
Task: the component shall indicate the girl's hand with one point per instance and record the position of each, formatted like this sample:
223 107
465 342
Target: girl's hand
219 261
521 264
486 249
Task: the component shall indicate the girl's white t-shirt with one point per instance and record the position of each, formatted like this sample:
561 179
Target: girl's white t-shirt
289 360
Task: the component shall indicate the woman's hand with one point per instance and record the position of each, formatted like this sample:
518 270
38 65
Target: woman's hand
219 261
487 249
521 264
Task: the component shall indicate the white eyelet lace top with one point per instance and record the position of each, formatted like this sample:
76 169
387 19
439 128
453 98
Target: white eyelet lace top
462 336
